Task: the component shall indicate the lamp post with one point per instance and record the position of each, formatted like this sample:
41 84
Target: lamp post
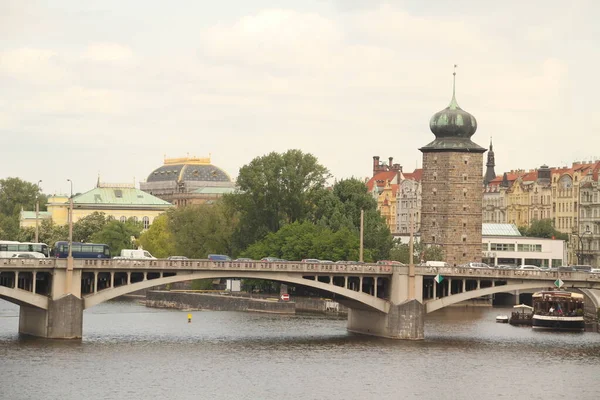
37 212
70 256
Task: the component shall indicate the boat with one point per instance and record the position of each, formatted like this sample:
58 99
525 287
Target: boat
502 319
521 315
558 310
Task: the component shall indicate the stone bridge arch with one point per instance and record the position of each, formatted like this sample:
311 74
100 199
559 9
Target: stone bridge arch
434 305
23 297
356 299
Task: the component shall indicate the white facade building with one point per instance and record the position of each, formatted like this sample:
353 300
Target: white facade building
502 244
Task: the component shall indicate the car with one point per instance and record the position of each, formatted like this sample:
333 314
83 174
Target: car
243 259
326 261
311 260
271 259
23 255
475 265
218 257
504 266
529 268
595 271
582 268
389 262
566 269
177 258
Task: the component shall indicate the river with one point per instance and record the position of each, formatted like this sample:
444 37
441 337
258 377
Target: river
132 352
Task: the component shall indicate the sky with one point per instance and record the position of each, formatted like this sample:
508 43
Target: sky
109 88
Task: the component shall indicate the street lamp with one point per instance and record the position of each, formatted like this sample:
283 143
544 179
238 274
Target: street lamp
70 256
37 212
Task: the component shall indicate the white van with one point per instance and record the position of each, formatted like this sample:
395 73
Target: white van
435 264
137 254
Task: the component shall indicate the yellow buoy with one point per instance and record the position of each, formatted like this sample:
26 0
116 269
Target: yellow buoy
189 318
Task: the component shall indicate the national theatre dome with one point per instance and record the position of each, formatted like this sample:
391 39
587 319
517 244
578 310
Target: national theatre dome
188 180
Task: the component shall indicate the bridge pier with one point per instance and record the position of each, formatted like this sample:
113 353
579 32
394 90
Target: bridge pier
403 321
62 320
405 318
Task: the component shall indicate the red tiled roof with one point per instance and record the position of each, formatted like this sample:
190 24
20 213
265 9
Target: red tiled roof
416 175
380 179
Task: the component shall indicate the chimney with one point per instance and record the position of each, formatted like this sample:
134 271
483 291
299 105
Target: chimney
376 167
391 162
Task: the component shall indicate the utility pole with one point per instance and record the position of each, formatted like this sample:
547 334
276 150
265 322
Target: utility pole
362 233
37 212
411 264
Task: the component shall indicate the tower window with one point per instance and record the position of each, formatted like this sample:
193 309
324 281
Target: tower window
433 239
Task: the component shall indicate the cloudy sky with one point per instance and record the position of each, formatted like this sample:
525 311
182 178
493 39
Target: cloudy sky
110 87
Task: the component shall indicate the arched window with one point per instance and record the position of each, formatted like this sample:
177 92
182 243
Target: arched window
123 219
135 219
146 222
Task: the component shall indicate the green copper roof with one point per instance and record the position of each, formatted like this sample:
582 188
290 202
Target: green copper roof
31 215
499 230
453 128
120 196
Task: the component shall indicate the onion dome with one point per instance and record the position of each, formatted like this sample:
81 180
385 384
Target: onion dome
453 121
453 128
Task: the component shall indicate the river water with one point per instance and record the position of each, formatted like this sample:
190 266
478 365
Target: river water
132 352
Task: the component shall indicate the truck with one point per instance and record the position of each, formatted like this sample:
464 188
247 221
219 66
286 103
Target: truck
139 254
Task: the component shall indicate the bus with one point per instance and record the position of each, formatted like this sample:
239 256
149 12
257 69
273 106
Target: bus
10 249
81 250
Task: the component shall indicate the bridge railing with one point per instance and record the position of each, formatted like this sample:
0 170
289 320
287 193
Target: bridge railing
493 273
288 266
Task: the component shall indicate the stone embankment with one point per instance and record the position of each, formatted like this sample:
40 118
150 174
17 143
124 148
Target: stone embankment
240 302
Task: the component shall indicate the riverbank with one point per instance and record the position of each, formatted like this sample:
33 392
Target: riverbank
223 301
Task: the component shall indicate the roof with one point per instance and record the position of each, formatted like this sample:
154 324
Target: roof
380 179
188 169
214 190
499 230
31 215
119 196
416 175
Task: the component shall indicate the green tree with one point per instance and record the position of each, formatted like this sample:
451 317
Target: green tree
275 189
199 230
341 209
16 194
9 226
118 235
543 228
87 226
306 240
401 252
158 239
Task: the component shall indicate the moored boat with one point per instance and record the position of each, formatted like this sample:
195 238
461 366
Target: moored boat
521 315
502 319
558 310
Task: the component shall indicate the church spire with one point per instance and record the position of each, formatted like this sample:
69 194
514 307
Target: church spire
490 174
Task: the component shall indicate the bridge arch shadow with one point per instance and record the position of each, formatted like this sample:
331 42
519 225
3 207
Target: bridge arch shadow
24 297
350 297
433 305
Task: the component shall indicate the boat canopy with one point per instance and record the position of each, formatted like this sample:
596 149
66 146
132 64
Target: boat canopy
525 306
558 294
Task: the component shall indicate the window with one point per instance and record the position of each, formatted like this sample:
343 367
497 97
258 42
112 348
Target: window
484 247
502 247
123 219
529 247
135 219
146 222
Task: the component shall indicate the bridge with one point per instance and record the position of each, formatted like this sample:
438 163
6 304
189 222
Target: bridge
383 300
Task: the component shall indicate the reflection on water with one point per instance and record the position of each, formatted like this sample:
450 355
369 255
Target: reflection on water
131 352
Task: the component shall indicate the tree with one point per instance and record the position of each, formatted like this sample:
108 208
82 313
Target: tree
342 209
16 194
199 230
306 240
118 235
421 252
9 226
543 228
87 226
274 190
158 239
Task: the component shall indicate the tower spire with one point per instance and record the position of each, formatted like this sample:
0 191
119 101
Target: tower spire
453 102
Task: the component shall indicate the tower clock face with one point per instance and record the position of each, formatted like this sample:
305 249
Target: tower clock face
565 182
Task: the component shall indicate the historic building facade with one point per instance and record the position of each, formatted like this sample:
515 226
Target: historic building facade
188 180
117 201
408 203
451 212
